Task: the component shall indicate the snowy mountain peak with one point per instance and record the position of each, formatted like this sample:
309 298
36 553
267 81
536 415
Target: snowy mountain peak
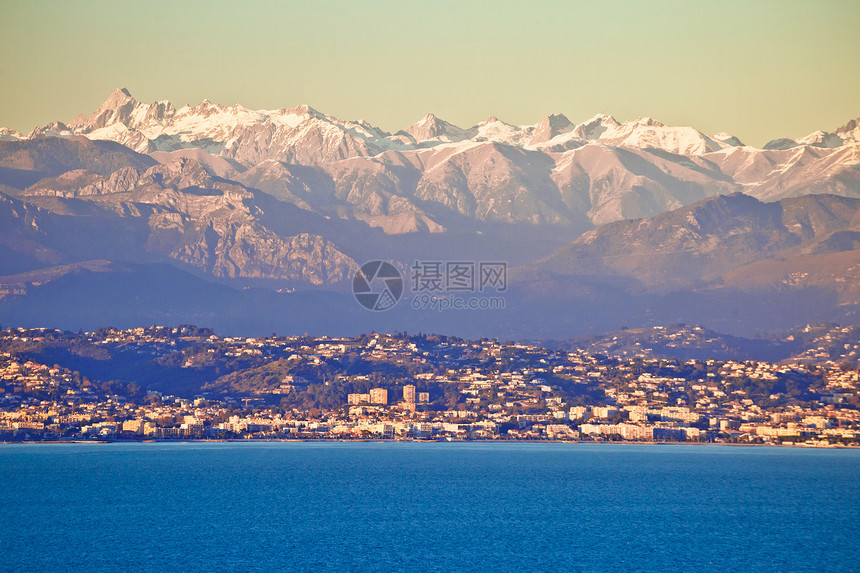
821 139
550 127
495 130
780 143
728 139
850 131
304 135
120 94
602 118
431 128
594 128
117 98
7 134
845 134
117 108
648 122
648 133
303 110
556 119
53 129
206 108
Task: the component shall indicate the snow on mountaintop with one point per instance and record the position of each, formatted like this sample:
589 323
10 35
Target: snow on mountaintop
293 116
822 139
431 128
728 139
302 134
649 133
7 134
594 128
493 129
53 129
845 135
642 133
553 171
850 131
551 127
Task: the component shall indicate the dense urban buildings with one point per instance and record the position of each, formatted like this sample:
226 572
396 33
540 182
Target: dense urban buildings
189 383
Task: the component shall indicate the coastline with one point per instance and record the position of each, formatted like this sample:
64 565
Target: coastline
441 441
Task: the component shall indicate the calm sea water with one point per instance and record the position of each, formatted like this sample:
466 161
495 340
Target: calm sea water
427 507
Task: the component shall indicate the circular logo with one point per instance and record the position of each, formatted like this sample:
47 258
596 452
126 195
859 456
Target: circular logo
377 285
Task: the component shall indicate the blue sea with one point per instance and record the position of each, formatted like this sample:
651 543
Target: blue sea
445 507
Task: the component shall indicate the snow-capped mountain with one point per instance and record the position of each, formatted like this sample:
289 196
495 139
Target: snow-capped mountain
303 135
299 134
642 133
434 174
433 129
7 134
274 200
846 135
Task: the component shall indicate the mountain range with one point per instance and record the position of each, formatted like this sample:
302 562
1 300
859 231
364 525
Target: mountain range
601 223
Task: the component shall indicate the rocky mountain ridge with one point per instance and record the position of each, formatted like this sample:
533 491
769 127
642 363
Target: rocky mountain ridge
554 172
697 245
601 223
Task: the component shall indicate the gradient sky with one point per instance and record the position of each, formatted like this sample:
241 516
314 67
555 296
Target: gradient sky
757 69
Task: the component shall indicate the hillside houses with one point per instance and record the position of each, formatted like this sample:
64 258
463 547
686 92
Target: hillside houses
409 387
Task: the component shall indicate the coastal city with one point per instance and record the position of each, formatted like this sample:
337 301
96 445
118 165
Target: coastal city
188 383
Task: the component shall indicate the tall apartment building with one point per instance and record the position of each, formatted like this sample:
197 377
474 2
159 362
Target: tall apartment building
358 399
409 394
378 396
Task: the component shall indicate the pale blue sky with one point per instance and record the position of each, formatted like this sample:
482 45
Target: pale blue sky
760 70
